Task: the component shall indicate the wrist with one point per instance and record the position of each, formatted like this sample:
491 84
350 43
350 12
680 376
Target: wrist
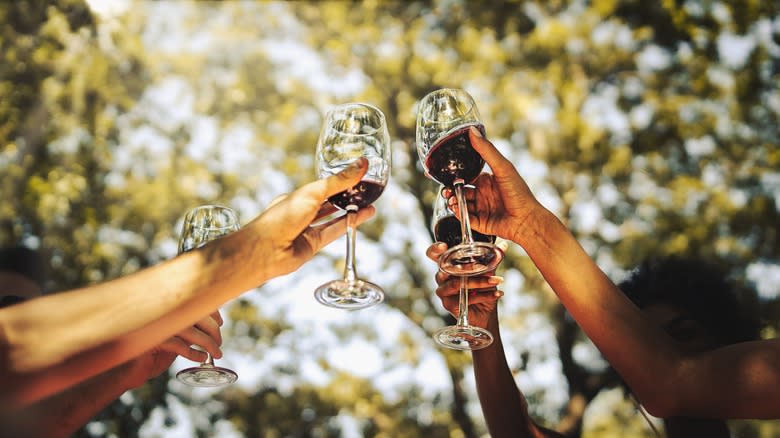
492 326
527 229
239 262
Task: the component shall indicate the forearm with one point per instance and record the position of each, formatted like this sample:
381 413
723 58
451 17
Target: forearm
735 381
638 349
503 405
117 320
62 414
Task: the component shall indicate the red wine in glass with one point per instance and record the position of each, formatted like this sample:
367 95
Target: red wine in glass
452 158
447 230
351 131
361 195
444 120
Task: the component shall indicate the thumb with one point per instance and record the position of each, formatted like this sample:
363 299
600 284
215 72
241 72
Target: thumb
321 189
497 162
347 178
294 212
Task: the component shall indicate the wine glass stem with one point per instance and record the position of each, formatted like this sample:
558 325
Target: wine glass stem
463 303
350 272
209 360
465 226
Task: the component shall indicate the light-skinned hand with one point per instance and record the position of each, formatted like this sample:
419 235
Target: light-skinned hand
288 234
205 333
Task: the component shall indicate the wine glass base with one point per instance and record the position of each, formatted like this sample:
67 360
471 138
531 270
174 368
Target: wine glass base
351 295
207 376
471 259
463 337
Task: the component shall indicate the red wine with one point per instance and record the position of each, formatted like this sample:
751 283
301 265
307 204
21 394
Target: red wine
452 157
447 230
361 195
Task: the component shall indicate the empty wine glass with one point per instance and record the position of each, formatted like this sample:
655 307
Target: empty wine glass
201 225
444 118
351 131
461 336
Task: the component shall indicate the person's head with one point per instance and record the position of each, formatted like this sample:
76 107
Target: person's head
693 301
22 275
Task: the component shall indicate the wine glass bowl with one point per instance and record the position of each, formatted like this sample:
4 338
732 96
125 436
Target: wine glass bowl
205 223
446 226
351 131
201 225
444 119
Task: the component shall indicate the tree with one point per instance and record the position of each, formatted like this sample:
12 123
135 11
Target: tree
649 128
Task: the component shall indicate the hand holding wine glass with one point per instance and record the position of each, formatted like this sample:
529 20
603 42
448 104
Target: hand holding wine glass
353 131
205 334
444 120
201 225
454 291
290 231
499 203
482 293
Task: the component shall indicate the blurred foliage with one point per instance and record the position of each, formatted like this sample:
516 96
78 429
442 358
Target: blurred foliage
649 127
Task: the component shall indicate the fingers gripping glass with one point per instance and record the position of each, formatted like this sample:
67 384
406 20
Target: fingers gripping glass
352 131
444 118
461 336
201 225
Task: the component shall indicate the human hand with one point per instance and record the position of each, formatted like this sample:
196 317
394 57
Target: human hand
205 334
483 294
502 201
285 227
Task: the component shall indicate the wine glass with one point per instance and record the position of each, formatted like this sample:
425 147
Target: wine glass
201 225
351 131
444 117
461 336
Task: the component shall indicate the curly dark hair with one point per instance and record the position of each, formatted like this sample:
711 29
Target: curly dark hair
700 288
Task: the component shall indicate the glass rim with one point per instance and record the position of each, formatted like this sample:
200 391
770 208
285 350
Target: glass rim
188 217
471 109
343 106
210 207
451 91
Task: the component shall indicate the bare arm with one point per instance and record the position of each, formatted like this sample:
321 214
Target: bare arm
62 414
54 342
503 404
738 381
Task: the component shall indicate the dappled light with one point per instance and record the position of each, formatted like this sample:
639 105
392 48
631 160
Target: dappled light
648 130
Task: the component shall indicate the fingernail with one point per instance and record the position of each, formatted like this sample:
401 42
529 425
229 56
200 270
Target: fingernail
476 132
495 279
498 294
